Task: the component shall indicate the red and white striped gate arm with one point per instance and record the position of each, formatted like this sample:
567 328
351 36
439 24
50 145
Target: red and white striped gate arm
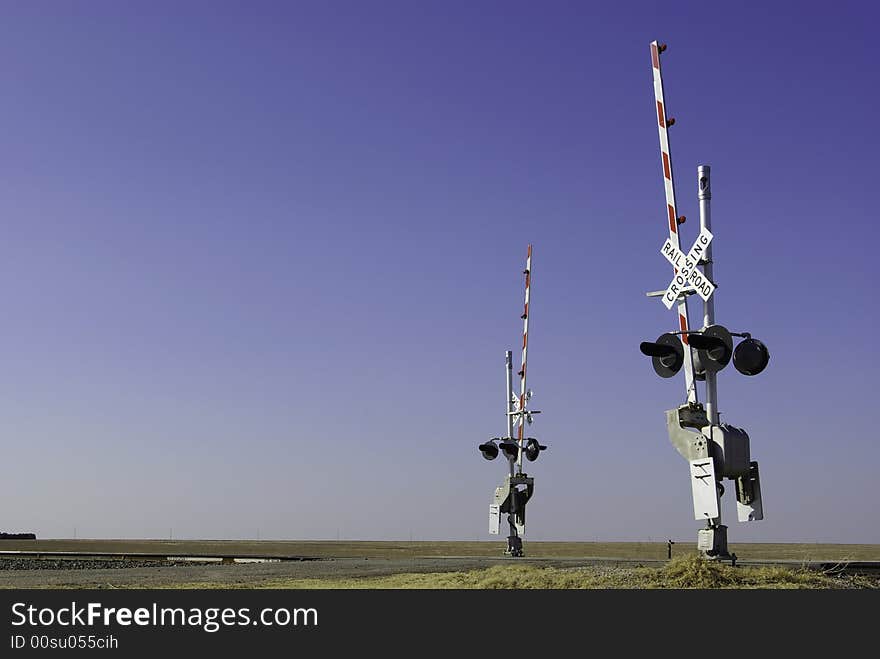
671 212
525 350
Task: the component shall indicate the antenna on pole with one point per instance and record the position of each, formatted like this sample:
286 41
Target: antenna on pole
511 497
714 450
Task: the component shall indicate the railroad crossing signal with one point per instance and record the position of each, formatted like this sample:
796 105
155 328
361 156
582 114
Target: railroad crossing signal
514 493
667 354
531 449
712 349
751 357
489 450
714 450
686 269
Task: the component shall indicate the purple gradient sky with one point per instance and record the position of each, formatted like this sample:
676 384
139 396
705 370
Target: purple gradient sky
260 263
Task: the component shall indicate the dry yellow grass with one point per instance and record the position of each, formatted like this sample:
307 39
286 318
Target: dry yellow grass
685 572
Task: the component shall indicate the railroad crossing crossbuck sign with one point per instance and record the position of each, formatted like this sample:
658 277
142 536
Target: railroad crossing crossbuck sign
686 269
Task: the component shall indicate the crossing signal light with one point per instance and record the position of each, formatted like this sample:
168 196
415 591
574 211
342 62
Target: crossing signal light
714 346
666 353
751 356
713 349
489 450
533 449
510 449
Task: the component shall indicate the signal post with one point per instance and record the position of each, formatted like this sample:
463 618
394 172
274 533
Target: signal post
514 493
714 450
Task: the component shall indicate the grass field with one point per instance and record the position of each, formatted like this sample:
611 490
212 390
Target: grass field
688 572
685 572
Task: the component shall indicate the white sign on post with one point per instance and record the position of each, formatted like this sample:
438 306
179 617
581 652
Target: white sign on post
686 264
703 488
494 518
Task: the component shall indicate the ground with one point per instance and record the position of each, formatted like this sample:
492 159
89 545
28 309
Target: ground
324 564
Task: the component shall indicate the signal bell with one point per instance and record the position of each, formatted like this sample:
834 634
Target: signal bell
750 357
533 449
489 450
666 353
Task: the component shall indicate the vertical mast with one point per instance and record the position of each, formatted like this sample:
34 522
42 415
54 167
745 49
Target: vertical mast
525 348
704 194
672 214
511 402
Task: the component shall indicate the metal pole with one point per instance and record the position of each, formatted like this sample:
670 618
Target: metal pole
511 462
704 194
508 358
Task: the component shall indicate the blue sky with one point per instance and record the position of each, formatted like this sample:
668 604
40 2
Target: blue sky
260 263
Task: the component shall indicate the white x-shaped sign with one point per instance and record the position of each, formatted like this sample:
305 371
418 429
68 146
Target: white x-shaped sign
686 266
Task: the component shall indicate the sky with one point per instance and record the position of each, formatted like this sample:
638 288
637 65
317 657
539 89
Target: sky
260 262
